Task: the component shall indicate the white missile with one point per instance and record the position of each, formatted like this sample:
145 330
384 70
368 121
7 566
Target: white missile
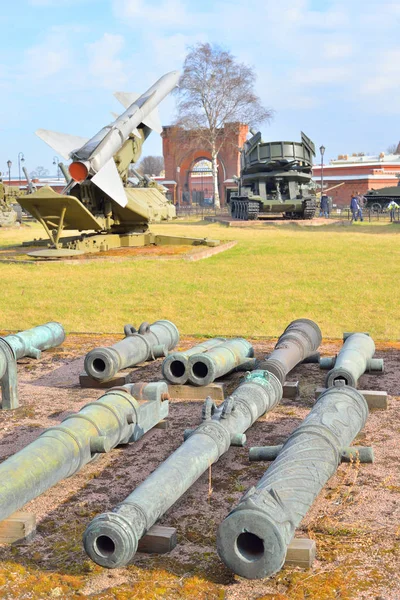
94 158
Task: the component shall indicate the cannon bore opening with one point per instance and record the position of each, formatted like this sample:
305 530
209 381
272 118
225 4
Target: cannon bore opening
250 546
99 365
177 368
340 380
104 546
200 370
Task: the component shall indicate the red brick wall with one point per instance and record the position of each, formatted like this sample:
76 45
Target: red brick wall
181 150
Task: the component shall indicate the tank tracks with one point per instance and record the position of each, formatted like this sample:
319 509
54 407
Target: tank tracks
244 209
308 213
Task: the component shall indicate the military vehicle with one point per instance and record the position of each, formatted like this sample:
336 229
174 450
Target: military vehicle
98 197
10 211
378 200
275 178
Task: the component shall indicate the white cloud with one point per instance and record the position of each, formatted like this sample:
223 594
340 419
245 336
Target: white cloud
140 13
104 64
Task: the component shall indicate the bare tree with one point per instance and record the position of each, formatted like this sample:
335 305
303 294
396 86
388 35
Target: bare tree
393 149
39 172
151 165
215 95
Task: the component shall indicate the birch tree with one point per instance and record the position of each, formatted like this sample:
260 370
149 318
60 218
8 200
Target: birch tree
216 94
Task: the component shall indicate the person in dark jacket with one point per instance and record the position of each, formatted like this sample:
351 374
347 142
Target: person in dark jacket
354 207
324 208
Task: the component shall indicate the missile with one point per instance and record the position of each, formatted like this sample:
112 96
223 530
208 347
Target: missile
93 158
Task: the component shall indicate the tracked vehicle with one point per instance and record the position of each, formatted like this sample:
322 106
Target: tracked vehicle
275 179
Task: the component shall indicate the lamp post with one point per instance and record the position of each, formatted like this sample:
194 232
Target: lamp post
21 158
178 170
322 150
9 165
56 161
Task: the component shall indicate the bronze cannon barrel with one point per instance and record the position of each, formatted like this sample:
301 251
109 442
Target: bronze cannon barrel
61 451
221 360
253 538
354 359
299 340
147 343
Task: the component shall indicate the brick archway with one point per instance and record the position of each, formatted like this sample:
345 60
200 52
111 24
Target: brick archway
182 150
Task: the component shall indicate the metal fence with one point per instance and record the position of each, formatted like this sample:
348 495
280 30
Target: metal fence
368 215
194 210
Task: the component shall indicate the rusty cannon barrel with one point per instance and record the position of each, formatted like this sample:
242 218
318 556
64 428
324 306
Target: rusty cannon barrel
221 360
175 366
17 345
253 539
111 539
300 340
147 343
118 417
354 359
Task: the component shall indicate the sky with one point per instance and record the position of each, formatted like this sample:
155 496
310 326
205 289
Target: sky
330 68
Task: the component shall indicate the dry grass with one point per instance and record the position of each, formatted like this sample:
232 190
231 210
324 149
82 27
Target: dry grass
345 278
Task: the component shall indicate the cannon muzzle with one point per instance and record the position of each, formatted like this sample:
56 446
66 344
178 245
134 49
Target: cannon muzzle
61 451
111 539
148 343
175 366
253 539
299 340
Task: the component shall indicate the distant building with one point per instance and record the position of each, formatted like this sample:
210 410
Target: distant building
357 173
58 184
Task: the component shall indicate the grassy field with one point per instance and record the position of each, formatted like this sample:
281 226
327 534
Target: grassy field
345 278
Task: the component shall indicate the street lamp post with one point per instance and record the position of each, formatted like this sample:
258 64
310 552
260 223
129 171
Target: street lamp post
9 165
21 158
322 150
56 161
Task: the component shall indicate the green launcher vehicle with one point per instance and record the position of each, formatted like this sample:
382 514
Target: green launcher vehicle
275 179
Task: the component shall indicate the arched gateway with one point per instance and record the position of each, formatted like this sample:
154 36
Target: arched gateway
188 164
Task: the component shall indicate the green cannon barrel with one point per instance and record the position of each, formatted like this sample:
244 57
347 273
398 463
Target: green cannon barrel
299 340
224 358
17 345
354 359
175 366
147 343
61 451
253 539
111 539
32 341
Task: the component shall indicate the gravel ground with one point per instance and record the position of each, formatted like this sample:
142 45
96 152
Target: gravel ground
355 520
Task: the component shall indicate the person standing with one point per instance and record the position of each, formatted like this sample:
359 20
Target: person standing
354 207
324 208
360 200
392 209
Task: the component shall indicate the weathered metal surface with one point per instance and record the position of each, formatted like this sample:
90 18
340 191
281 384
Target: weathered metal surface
362 454
227 357
175 366
299 340
111 539
26 343
353 360
61 451
253 539
275 178
147 343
